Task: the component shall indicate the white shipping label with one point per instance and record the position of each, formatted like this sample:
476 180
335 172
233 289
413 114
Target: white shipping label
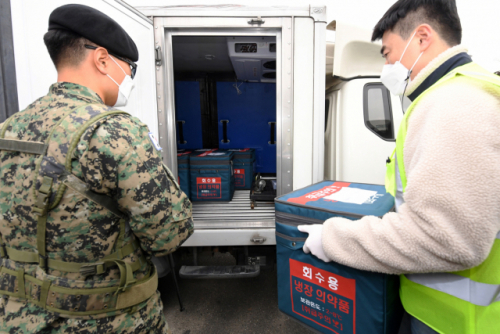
351 195
216 154
154 141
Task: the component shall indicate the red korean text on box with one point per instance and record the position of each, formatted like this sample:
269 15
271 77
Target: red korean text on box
211 187
239 175
339 285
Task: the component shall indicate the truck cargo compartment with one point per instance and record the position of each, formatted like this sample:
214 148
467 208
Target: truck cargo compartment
216 109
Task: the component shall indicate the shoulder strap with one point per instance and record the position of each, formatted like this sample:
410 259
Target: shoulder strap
79 186
42 205
74 143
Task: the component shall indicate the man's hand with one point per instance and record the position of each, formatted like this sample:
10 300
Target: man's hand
313 243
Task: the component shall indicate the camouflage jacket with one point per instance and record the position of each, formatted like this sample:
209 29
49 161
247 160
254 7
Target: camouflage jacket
114 157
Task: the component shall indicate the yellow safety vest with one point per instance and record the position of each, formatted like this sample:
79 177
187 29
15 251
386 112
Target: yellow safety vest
464 302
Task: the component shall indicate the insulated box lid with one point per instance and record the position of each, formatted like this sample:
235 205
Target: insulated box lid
211 157
183 156
329 199
245 153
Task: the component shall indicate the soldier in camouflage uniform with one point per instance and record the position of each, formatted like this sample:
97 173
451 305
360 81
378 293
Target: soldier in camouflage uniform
85 199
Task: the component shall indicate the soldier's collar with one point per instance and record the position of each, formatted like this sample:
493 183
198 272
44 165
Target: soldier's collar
75 91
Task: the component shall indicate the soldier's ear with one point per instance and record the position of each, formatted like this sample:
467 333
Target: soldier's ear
101 60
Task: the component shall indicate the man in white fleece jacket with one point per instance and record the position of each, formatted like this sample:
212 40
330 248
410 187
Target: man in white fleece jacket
448 218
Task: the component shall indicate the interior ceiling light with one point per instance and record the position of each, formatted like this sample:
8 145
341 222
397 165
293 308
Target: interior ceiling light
209 57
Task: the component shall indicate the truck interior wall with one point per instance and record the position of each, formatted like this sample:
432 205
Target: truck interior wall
248 113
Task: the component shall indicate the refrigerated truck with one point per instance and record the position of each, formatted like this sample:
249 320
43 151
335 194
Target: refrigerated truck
237 77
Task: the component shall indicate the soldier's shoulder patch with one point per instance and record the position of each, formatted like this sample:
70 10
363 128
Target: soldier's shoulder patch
154 141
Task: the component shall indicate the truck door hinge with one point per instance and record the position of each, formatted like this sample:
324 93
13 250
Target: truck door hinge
158 55
258 20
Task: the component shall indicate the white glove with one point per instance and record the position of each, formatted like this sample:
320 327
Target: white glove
313 243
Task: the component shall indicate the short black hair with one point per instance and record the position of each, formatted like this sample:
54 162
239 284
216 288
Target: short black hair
65 47
405 15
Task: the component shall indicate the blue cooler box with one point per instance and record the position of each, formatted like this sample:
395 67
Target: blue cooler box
244 167
212 177
330 297
183 170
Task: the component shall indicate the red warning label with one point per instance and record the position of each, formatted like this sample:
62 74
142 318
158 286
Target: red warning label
325 298
239 177
318 194
208 187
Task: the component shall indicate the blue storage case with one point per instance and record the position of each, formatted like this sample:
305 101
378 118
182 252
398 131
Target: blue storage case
212 177
330 297
183 170
244 167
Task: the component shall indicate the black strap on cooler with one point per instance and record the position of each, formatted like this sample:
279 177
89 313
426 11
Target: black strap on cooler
181 132
224 131
272 141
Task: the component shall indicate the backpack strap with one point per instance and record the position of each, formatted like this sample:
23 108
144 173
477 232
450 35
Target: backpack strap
128 294
42 198
86 269
42 203
30 147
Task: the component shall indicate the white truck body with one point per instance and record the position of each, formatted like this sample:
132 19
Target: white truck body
309 146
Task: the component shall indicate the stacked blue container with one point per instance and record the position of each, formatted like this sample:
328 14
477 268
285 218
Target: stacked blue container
183 170
212 177
244 167
330 297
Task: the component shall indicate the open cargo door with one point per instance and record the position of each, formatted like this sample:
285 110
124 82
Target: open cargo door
354 53
35 71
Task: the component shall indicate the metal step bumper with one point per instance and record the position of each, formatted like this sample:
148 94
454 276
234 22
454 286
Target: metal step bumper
204 272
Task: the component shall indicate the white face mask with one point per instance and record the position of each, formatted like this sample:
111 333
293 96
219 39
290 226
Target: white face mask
124 89
396 77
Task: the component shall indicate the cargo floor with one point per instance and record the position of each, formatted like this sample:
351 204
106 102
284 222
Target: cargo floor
235 214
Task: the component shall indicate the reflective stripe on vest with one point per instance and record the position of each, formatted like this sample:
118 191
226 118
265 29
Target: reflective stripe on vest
477 293
480 294
466 302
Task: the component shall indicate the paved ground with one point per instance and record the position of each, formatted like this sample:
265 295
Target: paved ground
227 306
241 306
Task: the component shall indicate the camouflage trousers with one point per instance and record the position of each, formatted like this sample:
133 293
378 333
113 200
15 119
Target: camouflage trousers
22 317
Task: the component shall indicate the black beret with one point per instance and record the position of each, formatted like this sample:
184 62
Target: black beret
95 26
